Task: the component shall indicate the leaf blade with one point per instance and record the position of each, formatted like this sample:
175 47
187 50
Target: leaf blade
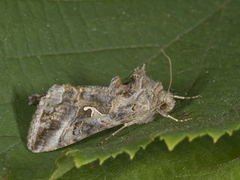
43 43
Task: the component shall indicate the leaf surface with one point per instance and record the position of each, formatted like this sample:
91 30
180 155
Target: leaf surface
198 160
88 42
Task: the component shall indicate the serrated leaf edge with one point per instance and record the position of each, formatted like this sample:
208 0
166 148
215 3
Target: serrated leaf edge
170 142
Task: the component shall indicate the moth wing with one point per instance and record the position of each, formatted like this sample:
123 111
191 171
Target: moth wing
60 119
82 128
54 111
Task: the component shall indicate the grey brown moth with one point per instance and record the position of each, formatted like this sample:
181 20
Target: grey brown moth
68 114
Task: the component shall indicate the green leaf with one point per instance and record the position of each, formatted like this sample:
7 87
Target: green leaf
88 42
198 160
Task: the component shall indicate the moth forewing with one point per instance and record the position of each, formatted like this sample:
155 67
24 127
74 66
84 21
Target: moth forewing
60 118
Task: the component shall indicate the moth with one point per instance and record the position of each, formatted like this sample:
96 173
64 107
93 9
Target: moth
68 114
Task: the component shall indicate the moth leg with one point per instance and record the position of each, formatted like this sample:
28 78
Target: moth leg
120 129
182 97
173 118
94 111
35 99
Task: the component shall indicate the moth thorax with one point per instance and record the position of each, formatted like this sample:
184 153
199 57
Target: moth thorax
166 101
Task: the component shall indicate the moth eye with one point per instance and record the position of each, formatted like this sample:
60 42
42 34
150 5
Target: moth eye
163 106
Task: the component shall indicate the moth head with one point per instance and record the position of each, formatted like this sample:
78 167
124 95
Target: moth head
166 102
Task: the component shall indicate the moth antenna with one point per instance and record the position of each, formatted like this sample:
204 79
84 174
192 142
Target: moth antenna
170 69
